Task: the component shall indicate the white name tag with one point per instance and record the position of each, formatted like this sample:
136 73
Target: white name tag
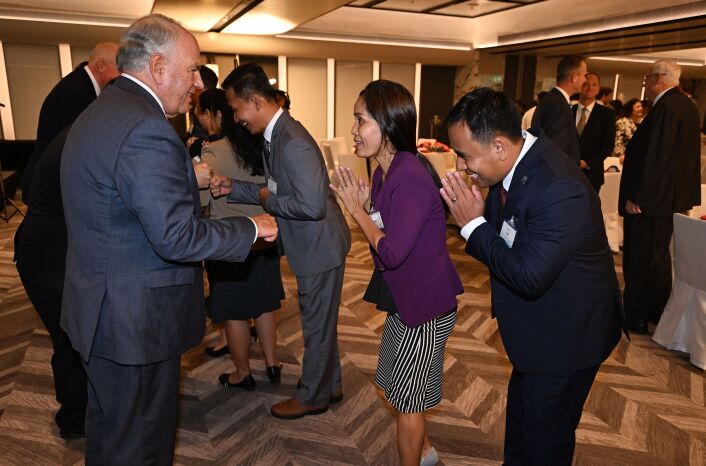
271 185
508 233
377 219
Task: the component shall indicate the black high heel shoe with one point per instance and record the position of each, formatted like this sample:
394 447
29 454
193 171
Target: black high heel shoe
248 383
274 373
215 353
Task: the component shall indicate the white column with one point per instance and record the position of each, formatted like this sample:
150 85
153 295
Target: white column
417 89
615 86
330 97
65 59
282 73
8 126
376 70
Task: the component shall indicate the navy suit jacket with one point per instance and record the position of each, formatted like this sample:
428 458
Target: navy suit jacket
554 292
133 291
553 116
597 142
662 160
60 108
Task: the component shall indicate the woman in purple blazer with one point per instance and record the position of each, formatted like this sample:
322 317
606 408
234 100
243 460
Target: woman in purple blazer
414 280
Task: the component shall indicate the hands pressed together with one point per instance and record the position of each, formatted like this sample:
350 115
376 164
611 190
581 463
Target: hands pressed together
352 192
464 203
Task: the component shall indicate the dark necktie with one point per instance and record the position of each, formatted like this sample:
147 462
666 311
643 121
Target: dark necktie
502 195
267 155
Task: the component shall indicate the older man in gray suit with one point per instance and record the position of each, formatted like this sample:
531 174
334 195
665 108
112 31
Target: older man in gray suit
313 233
133 296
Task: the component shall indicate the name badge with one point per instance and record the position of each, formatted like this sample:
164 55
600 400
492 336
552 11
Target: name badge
271 185
377 219
507 233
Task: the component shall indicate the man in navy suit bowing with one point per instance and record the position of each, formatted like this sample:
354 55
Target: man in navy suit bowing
554 289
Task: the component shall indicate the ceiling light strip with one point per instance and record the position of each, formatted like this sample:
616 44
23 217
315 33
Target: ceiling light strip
377 41
636 59
70 19
240 9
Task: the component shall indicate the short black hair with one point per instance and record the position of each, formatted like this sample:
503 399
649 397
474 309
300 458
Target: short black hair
568 65
250 78
603 92
214 100
208 76
487 113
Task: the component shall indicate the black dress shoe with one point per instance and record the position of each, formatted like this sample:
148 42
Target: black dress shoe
248 383
334 398
640 327
70 434
216 353
274 373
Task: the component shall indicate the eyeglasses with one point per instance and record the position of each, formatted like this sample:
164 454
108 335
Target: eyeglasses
646 76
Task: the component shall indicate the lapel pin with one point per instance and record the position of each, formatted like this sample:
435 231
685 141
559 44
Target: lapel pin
524 179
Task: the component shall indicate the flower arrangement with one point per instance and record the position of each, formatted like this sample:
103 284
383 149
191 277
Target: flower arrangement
427 146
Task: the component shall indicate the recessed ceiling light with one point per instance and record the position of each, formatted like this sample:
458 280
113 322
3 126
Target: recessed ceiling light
259 24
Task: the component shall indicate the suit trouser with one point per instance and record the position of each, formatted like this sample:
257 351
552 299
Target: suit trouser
647 266
319 299
131 416
66 365
543 411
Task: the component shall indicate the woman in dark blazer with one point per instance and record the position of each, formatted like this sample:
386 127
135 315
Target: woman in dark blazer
414 280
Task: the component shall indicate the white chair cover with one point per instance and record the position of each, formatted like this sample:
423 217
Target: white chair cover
609 206
609 162
357 164
683 323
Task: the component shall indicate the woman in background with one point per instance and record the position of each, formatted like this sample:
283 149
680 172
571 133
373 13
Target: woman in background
413 280
251 289
626 126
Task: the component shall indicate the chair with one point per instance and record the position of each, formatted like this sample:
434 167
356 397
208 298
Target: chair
9 180
683 323
357 164
328 156
700 210
609 206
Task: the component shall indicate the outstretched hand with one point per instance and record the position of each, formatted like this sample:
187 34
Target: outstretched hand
352 192
464 203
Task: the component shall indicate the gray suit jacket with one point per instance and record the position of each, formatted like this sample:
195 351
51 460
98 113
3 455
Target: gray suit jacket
133 291
312 231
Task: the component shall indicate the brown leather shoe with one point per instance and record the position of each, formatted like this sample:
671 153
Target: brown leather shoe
293 409
336 397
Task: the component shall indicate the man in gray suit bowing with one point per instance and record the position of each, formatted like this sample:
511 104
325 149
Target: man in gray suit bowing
133 294
313 233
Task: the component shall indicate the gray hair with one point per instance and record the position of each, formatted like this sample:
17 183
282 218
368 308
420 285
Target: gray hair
670 69
145 37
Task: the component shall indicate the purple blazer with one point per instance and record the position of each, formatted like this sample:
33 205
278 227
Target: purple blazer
413 253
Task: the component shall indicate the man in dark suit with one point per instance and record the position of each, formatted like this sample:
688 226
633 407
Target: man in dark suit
554 289
595 125
553 115
660 177
67 100
133 293
40 252
313 233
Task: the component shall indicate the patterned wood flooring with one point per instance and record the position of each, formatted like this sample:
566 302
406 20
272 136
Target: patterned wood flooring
646 408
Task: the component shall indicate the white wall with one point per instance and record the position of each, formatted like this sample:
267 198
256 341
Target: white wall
306 84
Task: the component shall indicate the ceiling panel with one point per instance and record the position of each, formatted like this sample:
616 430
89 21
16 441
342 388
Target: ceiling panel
475 8
196 16
122 8
272 17
410 5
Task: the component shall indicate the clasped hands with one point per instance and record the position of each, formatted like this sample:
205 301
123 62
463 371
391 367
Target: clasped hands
464 203
352 192
220 186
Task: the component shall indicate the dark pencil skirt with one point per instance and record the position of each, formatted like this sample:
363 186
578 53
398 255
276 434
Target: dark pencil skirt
244 290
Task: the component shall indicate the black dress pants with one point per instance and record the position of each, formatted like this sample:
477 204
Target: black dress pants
543 411
69 374
647 266
131 417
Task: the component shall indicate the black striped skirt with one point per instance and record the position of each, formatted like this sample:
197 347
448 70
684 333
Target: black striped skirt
411 364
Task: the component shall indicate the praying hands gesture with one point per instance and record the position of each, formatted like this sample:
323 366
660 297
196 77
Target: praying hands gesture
352 192
464 203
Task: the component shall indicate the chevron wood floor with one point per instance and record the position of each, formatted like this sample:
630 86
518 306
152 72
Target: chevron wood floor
646 408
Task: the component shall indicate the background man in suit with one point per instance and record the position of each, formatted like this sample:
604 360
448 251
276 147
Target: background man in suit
313 233
660 177
40 252
553 114
595 125
67 100
554 289
133 293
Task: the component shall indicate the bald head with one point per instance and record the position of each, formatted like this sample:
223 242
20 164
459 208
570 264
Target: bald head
102 62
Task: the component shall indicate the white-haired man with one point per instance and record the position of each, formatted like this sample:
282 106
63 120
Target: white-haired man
660 177
133 293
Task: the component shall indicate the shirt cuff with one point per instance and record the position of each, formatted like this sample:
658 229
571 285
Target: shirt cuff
255 225
471 226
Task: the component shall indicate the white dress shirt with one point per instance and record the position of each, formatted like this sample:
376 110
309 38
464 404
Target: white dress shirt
96 87
145 87
271 125
579 109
